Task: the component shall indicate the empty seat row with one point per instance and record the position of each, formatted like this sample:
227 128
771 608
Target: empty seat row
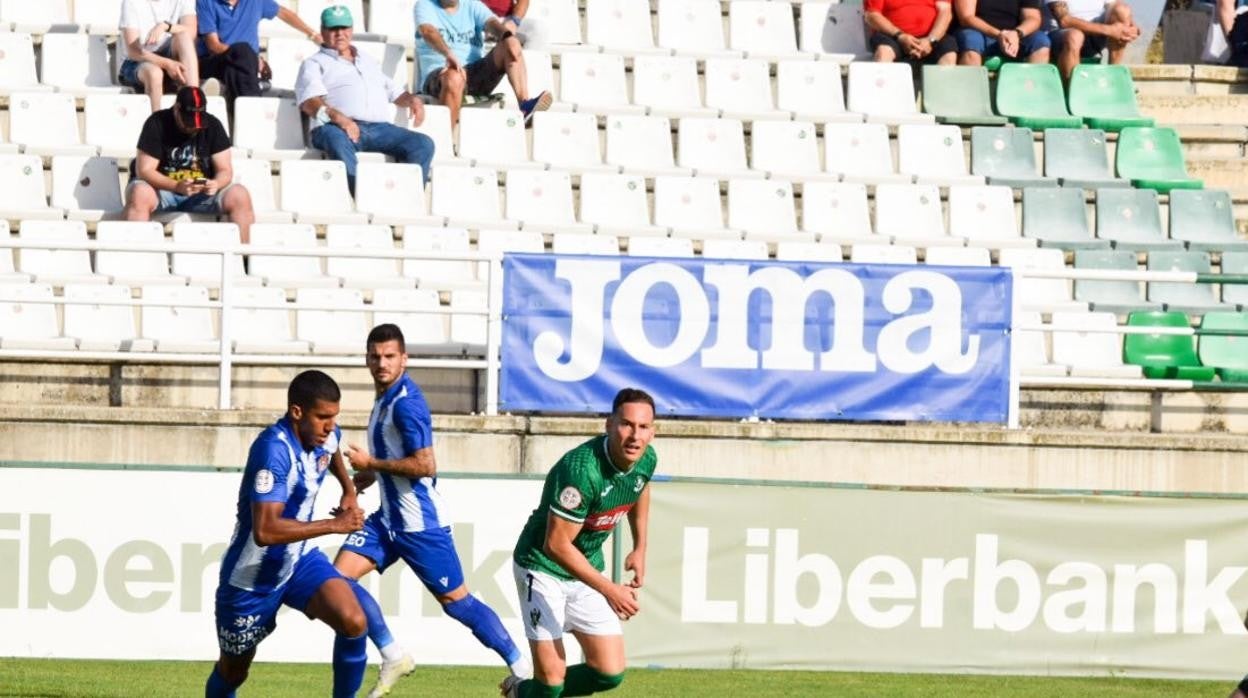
181 319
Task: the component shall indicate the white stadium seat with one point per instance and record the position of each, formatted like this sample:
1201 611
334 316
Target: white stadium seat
113 123
542 201
439 273
668 86
911 214
1033 349
97 16
762 29
423 332
561 20
575 243
837 212
30 325
867 253
180 327
985 216
437 125
691 207
338 331
394 19
787 149
316 192
23 192
285 54
257 177
568 141
204 268
693 28
37 17
392 194
959 256
764 210
539 73
791 251
287 270
469 323
595 82
616 205
884 92
468 197
17 70
734 249
8 270
934 154
714 148
1089 354
493 138
641 145
270 128
812 91
263 330
363 272
622 26
102 327
860 153
741 88
46 124
86 187
660 247
56 266
77 64
133 268
1042 295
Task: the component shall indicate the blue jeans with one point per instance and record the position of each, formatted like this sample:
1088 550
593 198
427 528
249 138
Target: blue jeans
399 143
973 40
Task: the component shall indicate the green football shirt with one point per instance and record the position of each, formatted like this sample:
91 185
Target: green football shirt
584 488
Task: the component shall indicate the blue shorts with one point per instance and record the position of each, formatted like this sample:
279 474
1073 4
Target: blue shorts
128 75
431 554
244 618
977 42
196 203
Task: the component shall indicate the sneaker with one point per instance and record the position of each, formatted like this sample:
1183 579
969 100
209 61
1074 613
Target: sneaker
510 687
541 102
390 674
211 87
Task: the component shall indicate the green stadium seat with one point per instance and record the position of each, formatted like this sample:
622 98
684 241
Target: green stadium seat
1235 263
1163 355
1058 217
1006 156
1227 355
1031 95
1153 158
1104 96
993 63
1077 158
958 95
1193 299
1110 296
1204 219
1131 220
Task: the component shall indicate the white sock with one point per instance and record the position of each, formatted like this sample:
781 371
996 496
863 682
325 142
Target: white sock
391 652
522 667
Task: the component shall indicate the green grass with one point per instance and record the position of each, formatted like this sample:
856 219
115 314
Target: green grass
43 678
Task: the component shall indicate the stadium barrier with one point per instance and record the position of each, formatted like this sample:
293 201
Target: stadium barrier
743 574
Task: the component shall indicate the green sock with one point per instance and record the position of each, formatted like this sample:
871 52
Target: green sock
530 688
584 680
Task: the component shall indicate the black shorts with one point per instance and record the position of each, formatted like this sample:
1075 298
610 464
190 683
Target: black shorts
947 44
483 77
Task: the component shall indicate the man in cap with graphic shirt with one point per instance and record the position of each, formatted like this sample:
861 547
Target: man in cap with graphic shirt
350 102
558 562
183 164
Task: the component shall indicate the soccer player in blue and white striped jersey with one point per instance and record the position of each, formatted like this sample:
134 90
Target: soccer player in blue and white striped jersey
412 524
270 560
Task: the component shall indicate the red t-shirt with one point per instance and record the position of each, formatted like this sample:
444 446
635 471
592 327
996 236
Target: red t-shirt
913 17
502 8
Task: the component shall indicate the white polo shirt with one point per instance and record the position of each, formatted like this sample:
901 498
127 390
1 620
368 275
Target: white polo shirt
356 88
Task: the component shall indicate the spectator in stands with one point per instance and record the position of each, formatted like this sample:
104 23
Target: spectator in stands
1226 41
159 40
915 31
183 164
1006 28
528 30
1083 28
450 43
229 42
347 97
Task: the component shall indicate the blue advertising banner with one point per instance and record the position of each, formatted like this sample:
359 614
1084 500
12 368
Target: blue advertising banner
768 339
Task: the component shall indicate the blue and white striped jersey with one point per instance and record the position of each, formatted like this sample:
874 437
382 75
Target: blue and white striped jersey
398 427
278 470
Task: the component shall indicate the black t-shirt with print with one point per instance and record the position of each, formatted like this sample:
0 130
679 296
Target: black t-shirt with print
1004 14
182 155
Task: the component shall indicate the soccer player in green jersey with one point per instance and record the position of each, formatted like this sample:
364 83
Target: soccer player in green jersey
558 559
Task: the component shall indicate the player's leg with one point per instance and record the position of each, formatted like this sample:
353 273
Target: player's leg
598 630
322 593
362 552
1241 691
542 608
228 674
431 555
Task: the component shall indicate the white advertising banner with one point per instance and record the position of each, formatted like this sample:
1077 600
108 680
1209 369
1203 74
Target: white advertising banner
123 565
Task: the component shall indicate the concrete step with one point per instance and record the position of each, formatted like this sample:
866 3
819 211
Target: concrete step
1169 109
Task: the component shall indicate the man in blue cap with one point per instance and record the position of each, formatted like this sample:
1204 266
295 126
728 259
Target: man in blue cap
348 99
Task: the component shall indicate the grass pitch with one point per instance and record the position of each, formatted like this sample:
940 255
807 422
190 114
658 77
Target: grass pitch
45 678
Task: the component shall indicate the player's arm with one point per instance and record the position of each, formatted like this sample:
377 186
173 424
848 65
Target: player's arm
415 425
419 464
1061 14
339 470
560 532
639 524
289 17
271 528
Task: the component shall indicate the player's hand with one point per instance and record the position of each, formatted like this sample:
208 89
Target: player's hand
1009 42
348 124
155 35
623 600
348 501
452 63
363 480
176 72
636 561
417 111
210 187
186 187
348 520
266 71
358 457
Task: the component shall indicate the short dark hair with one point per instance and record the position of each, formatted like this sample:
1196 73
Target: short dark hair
386 332
310 387
628 395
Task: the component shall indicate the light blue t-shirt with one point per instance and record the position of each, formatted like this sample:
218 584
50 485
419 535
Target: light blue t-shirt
462 30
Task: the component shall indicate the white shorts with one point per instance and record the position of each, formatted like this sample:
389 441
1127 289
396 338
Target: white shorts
550 606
